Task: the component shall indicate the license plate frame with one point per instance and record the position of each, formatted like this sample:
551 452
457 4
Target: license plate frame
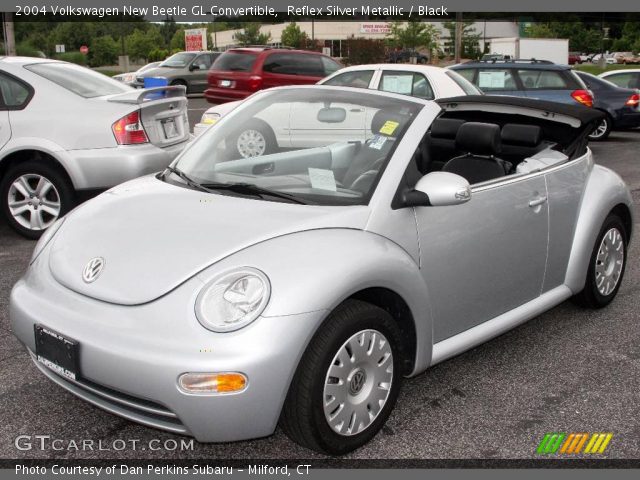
169 128
225 83
57 352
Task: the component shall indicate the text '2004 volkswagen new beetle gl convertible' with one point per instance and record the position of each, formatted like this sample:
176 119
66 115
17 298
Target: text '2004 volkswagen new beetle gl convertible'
229 294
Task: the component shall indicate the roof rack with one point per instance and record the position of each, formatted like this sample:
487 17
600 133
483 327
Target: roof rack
519 60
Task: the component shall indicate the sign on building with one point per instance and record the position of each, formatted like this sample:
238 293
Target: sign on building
195 39
375 27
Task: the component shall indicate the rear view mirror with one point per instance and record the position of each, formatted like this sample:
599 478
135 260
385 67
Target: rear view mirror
439 189
332 115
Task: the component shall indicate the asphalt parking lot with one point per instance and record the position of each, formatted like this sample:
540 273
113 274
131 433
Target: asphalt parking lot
568 370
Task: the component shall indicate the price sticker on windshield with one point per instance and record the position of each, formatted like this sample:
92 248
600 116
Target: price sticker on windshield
322 179
389 127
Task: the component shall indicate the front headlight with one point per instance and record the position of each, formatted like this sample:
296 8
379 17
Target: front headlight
209 118
233 300
46 238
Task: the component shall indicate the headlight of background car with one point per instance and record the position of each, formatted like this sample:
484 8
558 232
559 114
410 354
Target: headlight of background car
233 300
46 238
209 118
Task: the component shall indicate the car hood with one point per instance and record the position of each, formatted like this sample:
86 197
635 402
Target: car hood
153 236
160 72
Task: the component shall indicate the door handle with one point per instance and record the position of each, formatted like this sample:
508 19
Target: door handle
536 202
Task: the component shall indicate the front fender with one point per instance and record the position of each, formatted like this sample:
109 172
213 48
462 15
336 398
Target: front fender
318 269
604 191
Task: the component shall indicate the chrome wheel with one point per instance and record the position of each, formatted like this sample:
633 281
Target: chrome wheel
609 262
358 382
251 143
600 130
34 201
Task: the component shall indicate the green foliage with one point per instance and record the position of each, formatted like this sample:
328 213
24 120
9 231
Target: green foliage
251 35
292 36
103 51
140 43
158 55
25 49
470 40
583 37
413 34
73 57
364 50
177 41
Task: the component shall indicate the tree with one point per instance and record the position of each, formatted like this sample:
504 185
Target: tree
292 36
413 34
103 51
177 41
470 47
364 50
140 44
168 29
251 35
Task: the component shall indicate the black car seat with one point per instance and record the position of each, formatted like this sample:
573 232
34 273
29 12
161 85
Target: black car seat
440 144
520 141
482 142
362 171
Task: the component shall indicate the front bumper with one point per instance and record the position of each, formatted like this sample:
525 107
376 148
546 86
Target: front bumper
105 167
131 357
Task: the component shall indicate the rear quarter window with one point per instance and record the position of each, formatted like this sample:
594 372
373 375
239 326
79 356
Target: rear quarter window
294 64
357 78
79 80
467 87
15 94
496 79
235 62
544 79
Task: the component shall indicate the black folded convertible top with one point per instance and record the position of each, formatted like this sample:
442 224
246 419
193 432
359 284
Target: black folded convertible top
581 113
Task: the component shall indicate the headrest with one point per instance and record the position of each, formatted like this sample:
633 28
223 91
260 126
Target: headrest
386 123
445 128
479 138
523 135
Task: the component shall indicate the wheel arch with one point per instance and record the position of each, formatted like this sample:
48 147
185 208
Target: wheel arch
18 156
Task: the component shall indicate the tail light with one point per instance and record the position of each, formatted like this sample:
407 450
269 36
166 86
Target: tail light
584 97
129 130
255 82
634 100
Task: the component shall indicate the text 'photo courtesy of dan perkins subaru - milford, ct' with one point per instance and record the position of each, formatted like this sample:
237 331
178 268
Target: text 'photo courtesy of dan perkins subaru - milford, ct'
309 238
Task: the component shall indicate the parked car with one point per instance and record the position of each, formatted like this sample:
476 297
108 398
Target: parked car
620 57
406 55
585 57
239 72
630 59
302 271
420 81
492 57
66 130
623 78
130 77
620 105
608 58
527 78
574 58
188 69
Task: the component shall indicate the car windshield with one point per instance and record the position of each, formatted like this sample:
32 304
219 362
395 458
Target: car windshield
178 60
79 80
235 62
317 145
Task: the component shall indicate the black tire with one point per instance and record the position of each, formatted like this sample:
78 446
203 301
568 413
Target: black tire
591 296
182 83
600 135
303 418
62 191
254 125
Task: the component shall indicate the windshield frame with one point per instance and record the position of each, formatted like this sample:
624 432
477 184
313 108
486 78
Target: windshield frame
415 105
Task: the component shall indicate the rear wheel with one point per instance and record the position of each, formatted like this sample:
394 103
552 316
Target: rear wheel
607 265
347 382
602 131
33 195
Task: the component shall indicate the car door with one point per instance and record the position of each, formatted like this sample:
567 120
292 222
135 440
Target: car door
486 256
198 72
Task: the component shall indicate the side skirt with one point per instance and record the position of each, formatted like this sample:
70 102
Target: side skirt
463 341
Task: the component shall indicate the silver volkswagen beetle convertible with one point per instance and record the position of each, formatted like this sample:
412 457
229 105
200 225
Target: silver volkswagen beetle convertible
230 294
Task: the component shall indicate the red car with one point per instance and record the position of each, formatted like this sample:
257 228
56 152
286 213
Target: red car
574 58
239 72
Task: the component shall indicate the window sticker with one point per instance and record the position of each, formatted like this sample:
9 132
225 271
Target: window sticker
322 179
389 127
377 142
397 83
492 79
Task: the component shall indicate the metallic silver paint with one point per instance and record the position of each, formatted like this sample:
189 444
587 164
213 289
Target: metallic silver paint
444 189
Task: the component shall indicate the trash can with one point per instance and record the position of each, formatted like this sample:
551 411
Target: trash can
150 82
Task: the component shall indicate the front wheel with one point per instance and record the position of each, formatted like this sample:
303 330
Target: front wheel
607 265
33 195
602 131
347 382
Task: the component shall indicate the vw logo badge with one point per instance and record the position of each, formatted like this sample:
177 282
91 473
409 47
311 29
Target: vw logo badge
357 382
93 269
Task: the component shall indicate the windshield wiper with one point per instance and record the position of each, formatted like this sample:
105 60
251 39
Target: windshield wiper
186 179
251 189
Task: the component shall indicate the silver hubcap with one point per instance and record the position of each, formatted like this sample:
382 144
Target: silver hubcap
609 262
34 201
358 382
600 129
251 143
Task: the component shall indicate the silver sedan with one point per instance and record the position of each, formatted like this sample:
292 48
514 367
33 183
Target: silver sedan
298 286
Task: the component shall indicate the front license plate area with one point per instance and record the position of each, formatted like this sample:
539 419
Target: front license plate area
57 352
169 128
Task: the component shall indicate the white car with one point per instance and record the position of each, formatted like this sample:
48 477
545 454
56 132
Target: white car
625 78
422 81
608 58
129 78
66 130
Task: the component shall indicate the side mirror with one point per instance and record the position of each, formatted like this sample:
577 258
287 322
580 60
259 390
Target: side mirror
438 189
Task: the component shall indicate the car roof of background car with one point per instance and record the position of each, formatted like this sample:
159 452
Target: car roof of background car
617 72
603 82
582 114
532 64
